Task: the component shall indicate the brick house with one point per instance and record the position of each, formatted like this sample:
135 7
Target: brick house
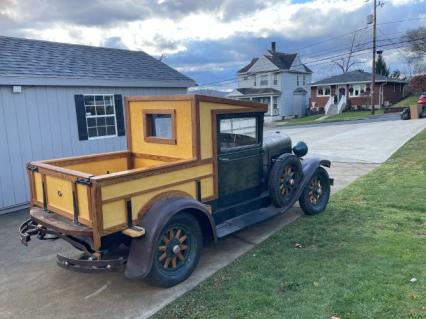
353 88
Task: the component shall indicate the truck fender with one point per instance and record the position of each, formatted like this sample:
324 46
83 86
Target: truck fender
142 250
309 166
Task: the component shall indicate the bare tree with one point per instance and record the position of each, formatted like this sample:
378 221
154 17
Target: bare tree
416 57
346 63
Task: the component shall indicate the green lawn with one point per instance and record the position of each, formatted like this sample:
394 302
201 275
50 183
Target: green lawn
411 100
321 118
356 262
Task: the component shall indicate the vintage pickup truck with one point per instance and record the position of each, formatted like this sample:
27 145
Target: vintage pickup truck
197 168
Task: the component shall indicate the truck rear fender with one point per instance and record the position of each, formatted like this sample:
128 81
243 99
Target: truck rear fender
142 250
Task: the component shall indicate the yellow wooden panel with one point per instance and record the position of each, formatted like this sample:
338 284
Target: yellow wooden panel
145 162
98 167
207 187
206 125
59 194
183 146
38 183
149 182
114 213
139 201
83 201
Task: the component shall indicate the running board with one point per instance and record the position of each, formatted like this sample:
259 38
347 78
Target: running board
243 221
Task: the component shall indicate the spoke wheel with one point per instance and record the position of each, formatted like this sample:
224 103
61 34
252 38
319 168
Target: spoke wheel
177 251
284 179
314 198
174 248
315 190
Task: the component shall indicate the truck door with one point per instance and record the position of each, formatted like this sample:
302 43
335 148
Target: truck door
239 151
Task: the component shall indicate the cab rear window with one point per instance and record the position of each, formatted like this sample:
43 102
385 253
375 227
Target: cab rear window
237 132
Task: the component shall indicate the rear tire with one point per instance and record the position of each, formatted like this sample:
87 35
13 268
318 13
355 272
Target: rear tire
316 194
176 251
284 179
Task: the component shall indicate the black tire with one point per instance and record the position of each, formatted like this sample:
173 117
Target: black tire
314 198
171 265
284 178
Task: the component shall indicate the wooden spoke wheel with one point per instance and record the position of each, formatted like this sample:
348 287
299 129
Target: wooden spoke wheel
174 248
315 190
284 179
314 198
178 249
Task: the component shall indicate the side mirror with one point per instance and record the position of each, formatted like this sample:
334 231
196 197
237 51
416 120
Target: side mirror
300 149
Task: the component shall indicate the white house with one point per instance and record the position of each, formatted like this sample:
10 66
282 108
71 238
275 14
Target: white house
278 79
60 100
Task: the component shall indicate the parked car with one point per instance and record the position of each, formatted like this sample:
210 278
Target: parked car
197 169
422 99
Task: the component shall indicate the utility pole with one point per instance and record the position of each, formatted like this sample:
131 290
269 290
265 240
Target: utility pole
373 64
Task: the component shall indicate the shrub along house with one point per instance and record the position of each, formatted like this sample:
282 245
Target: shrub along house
60 100
354 89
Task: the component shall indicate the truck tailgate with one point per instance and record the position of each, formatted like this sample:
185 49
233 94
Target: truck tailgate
61 192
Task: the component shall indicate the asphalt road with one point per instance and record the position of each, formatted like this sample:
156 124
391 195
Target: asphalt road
32 286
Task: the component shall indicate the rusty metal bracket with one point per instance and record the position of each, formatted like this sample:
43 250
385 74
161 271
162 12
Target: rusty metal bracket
32 167
83 180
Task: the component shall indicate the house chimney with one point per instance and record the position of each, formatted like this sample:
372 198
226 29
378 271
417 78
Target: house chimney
273 47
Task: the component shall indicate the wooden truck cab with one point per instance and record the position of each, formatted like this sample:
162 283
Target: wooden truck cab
205 153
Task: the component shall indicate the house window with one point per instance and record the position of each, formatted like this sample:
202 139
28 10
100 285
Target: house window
264 80
304 80
159 126
254 80
100 115
323 91
297 80
357 90
275 78
245 78
237 132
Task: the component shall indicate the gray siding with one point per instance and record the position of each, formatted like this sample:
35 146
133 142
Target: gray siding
40 123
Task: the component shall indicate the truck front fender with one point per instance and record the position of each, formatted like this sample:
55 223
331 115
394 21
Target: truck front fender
142 249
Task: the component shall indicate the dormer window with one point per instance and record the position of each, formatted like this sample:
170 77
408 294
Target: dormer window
264 80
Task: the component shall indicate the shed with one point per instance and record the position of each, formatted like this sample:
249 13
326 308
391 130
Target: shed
59 100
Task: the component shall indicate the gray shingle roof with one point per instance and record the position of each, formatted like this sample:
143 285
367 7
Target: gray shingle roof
260 91
284 61
31 59
354 77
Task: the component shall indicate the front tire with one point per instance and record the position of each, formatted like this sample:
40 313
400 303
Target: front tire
316 194
177 251
284 179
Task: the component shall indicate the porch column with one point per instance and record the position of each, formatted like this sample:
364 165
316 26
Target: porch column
271 102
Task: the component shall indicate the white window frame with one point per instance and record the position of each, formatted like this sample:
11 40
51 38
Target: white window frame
358 87
254 80
323 87
98 116
275 79
264 80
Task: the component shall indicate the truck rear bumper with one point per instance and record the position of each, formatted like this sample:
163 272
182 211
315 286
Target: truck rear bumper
48 226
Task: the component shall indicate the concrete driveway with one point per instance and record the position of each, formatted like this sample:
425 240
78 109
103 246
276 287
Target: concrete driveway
32 286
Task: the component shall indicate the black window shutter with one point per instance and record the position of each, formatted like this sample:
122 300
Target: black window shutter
81 117
118 100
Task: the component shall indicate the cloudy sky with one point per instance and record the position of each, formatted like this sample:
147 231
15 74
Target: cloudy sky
209 40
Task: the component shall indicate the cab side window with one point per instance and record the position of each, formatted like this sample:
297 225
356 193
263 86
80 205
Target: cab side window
237 132
160 126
